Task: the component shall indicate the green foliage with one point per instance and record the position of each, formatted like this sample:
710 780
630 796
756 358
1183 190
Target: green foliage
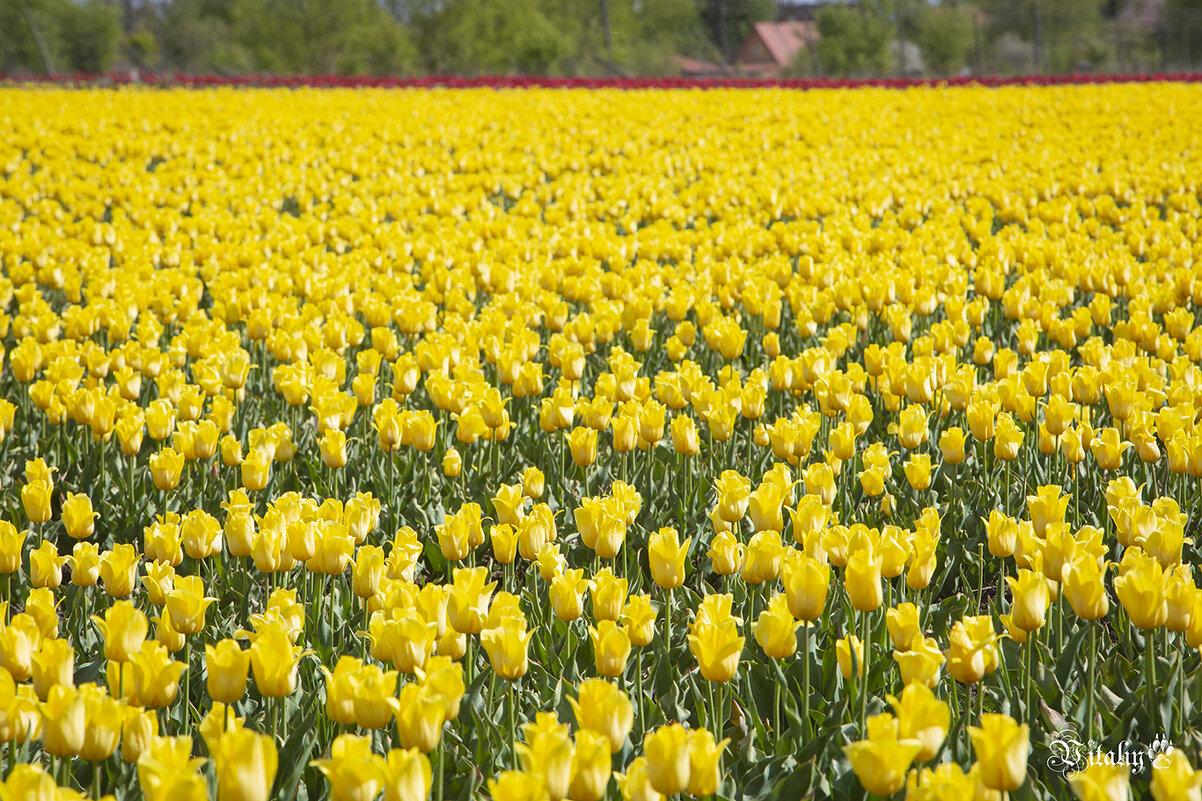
946 38
1038 35
852 42
569 37
320 36
79 37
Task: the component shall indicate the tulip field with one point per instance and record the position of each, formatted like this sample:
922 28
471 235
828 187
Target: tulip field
539 444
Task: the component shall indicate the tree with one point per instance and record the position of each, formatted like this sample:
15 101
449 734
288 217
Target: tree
320 36
77 37
1179 31
729 21
853 42
945 36
1060 36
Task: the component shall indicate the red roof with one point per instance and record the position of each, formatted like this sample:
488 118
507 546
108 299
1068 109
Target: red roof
782 40
695 67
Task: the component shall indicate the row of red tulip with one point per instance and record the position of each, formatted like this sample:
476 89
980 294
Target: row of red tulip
541 82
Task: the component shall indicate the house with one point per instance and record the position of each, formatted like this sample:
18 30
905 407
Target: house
695 68
770 47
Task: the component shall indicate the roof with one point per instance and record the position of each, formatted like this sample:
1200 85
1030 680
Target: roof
695 67
782 40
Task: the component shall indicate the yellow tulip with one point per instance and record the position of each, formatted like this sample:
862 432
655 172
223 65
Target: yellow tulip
1001 746
1101 782
274 660
78 517
420 715
668 764
667 555
903 625
920 664
53 664
333 448
882 760
506 645
716 648
200 534
918 471
166 467
467 607
603 708
186 604
407 775
567 594
226 666
972 654
611 647
64 721
776 629
590 767
762 558
638 618
608 595
1084 588
806 582
583 444
12 542
35 498
104 719
1174 779
726 553
1029 599
246 764
922 717
138 729
635 784
156 676
354 772
1140 588
85 564
123 629
368 571
705 763
18 642
951 445
844 648
734 495
862 580
46 566
373 693
452 463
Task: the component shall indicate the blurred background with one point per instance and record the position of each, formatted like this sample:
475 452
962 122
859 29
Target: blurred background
614 38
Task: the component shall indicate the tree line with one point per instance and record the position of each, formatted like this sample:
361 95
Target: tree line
589 37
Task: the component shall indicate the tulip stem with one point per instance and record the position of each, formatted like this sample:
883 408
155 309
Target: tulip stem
469 661
187 723
713 711
1089 698
442 768
805 679
1180 687
775 710
1150 658
668 623
981 578
864 678
638 677
1030 668
514 688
